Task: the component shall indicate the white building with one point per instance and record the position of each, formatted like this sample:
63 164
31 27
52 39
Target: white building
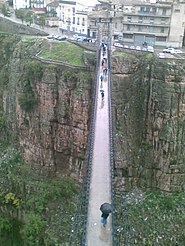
21 4
73 16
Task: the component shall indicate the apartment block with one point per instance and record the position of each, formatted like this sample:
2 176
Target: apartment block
154 23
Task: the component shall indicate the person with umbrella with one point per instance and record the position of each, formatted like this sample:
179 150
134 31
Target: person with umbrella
106 209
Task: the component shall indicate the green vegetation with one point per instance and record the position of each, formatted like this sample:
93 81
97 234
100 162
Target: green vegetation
152 219
121 54
5 10
63 51
32 73
35 210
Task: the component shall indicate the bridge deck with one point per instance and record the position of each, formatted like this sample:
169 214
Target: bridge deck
100 186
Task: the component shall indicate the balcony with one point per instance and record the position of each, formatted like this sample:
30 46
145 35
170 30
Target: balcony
143 13
146 32
144 23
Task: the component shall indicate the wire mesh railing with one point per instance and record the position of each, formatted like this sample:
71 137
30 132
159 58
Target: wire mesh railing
78 234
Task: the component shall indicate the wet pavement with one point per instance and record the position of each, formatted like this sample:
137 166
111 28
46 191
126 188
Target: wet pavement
100 185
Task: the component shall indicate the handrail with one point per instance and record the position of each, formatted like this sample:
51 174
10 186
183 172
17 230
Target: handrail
80 220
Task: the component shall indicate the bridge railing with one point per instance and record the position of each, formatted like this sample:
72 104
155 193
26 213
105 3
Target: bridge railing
111 145
78 234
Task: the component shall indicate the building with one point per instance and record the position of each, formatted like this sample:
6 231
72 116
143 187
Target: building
21 4
51 8
52 21
73 16
154 23
38 6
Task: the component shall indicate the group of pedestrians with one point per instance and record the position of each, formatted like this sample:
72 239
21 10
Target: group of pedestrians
104 69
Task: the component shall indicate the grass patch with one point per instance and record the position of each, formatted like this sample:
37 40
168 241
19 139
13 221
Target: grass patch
29 38
63 51
120 54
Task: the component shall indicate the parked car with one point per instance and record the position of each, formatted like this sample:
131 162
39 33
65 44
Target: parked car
132 47
118 45
56 37
61 38
81 38
51 36
150 49
161 55
138 47
178 51
169 50
125 46
144 49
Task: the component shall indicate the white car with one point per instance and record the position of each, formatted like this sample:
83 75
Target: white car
144 49
169 50
132 47
161 55
138 48
178 51
125 46
51 36
150 49
118 45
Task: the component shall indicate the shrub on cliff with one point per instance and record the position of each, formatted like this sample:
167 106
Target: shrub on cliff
32 73
34 209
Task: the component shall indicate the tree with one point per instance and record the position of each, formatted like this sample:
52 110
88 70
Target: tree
4 10
29 16
41 20
20 14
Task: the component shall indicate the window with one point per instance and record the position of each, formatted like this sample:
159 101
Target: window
73 20
73 10
140 20
139 28
151 29
162 30
164 12
116 25
129 18
177 10
128 27
161 39
163 21
78 21
127 35
151 20
83 21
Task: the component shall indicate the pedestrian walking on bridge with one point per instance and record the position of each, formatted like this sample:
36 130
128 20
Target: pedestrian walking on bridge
106 209
101 78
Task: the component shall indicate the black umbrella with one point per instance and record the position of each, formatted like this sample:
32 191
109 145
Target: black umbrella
106 208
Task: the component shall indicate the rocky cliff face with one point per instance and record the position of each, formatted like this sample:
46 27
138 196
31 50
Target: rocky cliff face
149 113
47 110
